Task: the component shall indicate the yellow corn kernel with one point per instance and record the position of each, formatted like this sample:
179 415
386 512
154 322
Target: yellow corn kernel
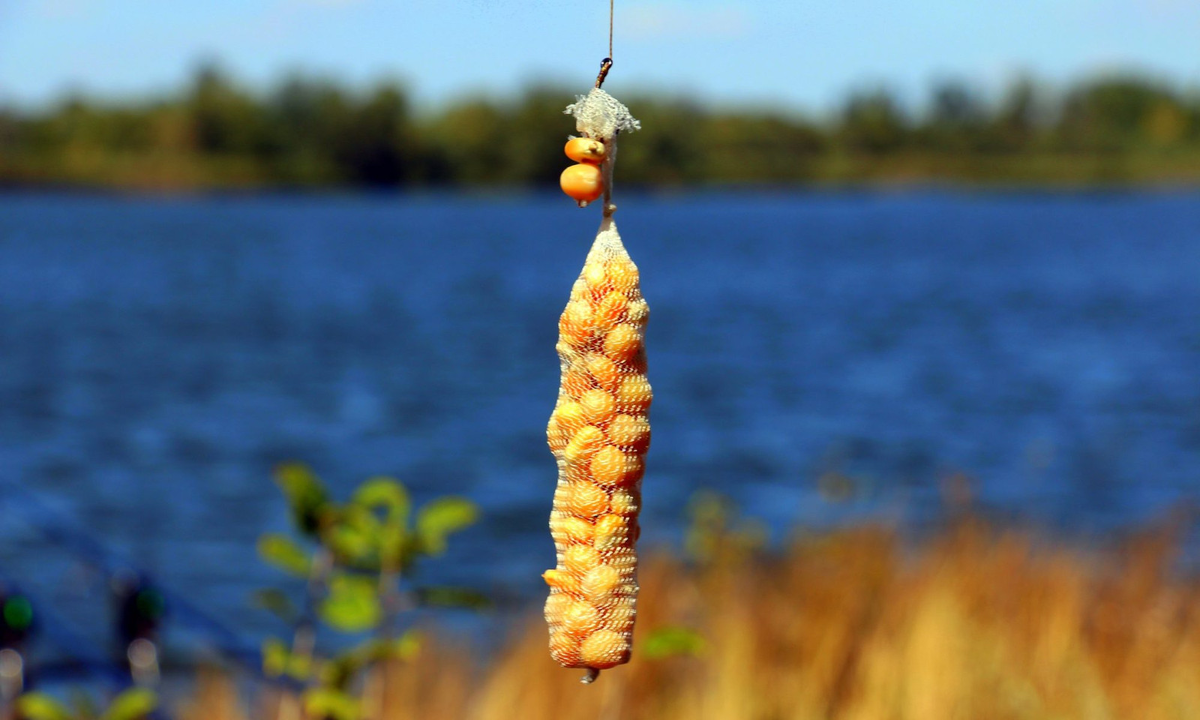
576 382
604 649
624 501
557 531
609 310
570 417
629 432
579 559
604 372
598 406
575 325
562 492
623 275
610 466
575 530
585 150
623 343
583 183
581 618
637 312
622 558
596 279
583 445
556 605
564 648
555 435
562 580
634 395
610 532
579 291
586 499
599 582
619 613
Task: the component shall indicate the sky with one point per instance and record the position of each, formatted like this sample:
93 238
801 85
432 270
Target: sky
806 54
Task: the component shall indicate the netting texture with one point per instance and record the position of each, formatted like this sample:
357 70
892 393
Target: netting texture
599 433
600 115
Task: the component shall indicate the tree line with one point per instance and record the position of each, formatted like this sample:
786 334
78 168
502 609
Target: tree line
309 132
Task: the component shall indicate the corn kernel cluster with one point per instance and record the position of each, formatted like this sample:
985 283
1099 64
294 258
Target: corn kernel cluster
599 433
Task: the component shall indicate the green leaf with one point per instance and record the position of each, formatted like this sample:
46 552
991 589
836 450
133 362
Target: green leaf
389 534
352 604
323 702
132 704
275 656
305 494
282 552
673 641
442 517
40 706
452 597
387 494
353 542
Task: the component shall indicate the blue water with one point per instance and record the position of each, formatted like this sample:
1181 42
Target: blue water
158 357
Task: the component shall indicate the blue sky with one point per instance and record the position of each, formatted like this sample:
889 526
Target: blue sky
800 53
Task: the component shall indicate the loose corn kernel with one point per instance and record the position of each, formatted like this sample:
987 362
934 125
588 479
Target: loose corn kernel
583 183
586 150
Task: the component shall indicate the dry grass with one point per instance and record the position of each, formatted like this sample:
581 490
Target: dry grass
977 625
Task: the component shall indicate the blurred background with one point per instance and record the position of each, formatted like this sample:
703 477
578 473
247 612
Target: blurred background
925 292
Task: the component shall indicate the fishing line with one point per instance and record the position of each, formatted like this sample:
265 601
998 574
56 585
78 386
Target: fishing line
607 63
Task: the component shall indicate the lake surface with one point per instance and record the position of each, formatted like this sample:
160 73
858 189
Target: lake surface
820 358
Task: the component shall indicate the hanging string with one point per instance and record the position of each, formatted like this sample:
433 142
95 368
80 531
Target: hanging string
607 63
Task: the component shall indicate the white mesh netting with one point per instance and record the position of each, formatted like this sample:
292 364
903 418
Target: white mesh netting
600 115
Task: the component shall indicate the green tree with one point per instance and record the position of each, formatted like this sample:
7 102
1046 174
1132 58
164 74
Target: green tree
873 123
